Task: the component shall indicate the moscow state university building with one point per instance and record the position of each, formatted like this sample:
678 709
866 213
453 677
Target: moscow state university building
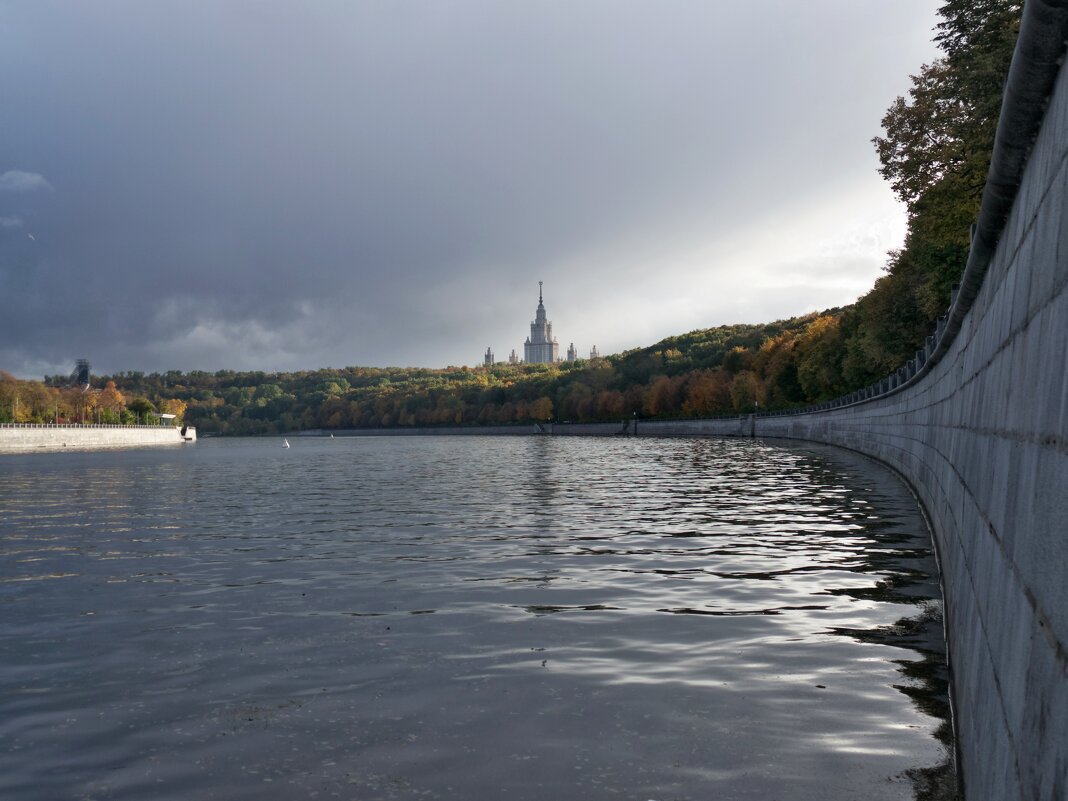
541 347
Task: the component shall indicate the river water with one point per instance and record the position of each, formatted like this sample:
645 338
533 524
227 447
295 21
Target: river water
466 618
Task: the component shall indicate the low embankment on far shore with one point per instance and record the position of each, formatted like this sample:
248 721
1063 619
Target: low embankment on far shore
47 438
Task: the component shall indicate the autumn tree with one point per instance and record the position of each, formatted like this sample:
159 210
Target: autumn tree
540 409
174 406
745 391
708 392
776 363
663 396
9 390
819 360
611 405
36 403
142 407
111 402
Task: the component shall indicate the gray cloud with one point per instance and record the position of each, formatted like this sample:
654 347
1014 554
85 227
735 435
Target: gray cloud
257 185
20 181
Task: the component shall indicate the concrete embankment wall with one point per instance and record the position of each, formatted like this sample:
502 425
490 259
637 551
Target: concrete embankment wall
44 438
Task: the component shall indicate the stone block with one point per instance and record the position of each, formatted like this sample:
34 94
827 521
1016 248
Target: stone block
1044 267
1041 563
1021 285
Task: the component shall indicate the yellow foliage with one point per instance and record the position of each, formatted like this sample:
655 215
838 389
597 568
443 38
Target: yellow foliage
110 398
541 409
174 406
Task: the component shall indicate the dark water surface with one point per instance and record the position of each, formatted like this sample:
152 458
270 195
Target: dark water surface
465 618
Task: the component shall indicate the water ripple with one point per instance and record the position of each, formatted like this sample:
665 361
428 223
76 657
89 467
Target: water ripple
467 617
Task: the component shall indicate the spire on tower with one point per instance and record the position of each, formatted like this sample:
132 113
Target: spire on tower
539 294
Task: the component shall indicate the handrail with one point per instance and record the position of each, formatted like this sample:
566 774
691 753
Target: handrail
84 425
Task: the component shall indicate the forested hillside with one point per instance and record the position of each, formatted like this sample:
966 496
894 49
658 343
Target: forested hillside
717 371
935 153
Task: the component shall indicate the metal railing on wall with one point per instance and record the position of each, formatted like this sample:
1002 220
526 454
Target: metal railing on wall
84 425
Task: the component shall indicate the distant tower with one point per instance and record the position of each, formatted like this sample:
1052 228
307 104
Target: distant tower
513 359
488 361
80 376
594 353
541 347
572 354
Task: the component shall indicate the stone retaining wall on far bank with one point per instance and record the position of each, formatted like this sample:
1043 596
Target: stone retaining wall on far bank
26 438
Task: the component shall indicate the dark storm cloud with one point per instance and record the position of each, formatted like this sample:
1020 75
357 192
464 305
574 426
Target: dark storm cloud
267 185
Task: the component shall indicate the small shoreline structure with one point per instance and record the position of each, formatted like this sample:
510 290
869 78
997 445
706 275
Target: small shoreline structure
51 437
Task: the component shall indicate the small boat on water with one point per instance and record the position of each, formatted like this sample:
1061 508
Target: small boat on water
285 442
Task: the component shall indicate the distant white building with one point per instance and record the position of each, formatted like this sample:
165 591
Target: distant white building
541 346
594 353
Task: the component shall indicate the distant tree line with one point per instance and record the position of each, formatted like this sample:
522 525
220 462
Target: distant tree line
935 152
716 371
53 401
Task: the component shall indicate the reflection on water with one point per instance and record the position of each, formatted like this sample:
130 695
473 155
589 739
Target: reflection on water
522 618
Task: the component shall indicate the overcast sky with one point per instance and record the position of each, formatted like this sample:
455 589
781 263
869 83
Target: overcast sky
281 185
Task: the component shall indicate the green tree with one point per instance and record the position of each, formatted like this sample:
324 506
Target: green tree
267 392
938 140
819 366
745 391
9 390
142 408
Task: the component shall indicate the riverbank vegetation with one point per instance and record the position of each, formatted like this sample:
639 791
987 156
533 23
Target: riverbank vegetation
935 152
716 371
54 402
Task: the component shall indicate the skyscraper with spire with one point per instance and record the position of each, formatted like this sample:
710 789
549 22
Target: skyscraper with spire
541 346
